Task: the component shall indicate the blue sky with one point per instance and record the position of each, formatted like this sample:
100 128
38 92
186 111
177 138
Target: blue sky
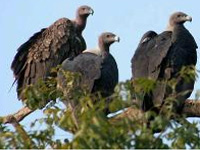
127 18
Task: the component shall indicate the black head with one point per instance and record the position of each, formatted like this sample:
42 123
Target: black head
179 18
84 11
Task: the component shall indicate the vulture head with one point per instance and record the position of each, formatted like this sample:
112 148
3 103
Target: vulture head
179 18
107 38
81 17
84 11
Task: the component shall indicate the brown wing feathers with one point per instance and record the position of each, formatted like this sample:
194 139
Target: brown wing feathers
46 49
22 52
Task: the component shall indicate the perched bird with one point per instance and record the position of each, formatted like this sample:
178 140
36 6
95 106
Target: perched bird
48 48
98 68
160 57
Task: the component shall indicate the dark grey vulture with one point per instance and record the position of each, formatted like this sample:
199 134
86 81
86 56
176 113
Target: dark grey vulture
161 57
98 68
48 48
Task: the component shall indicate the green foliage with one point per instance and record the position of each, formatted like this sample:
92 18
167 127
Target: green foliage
38 95
185 135
188 73
144 85
91 128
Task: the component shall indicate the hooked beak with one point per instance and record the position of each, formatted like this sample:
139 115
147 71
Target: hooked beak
91 11
188 18
116 38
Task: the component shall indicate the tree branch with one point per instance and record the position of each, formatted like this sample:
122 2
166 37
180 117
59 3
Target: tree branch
18 116
26 139
191 109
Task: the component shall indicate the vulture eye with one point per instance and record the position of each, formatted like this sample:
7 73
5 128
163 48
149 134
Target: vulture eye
108 36
179 15
83 8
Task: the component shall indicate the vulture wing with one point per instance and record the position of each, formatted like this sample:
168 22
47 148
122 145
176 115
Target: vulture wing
87 64
148 61
157 54
22 52
140 57
109 77
98 75
149 55
44 50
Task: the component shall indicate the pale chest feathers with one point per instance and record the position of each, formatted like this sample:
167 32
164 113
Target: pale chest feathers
95 51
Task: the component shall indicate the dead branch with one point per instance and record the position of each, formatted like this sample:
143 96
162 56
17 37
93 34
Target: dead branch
191 109
17 117
28 142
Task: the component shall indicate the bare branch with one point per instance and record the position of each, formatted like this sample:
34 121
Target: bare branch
18 116
28 142
191 109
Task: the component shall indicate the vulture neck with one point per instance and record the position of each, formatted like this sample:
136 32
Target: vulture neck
182 37
80 23
104 49
177 31
174 27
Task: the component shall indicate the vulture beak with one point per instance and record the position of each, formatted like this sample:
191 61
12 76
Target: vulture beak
91 11
116 38
188 18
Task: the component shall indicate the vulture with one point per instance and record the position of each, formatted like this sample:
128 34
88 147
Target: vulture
48 48
161 57
98 68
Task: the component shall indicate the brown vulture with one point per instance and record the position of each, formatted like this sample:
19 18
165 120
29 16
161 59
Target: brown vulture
48 48
98 68
160 57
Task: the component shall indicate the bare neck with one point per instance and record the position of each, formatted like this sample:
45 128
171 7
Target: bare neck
173 27
104 48
177 36
80 23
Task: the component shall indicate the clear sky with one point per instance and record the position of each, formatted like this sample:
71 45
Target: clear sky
129 19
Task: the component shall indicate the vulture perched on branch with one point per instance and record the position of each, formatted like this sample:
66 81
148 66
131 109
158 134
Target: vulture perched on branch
48 48
98 69
161 57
